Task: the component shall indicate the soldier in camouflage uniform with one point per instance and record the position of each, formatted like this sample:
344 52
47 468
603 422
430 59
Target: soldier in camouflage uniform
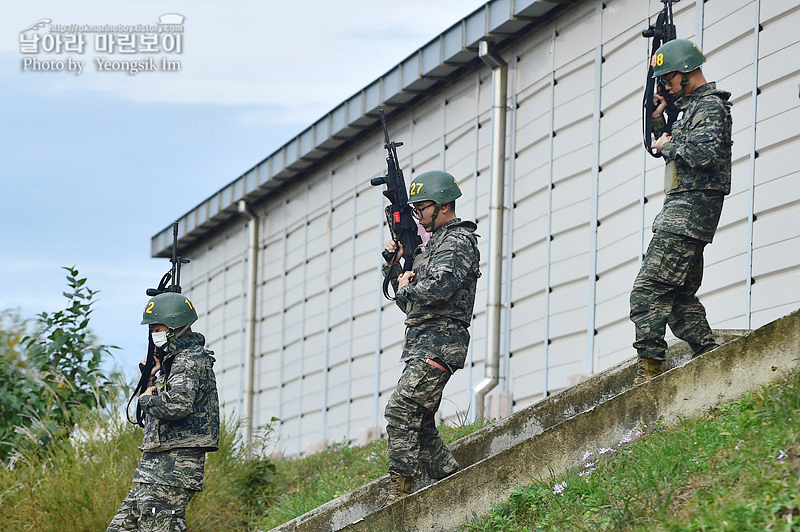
697 177
438 296
181 421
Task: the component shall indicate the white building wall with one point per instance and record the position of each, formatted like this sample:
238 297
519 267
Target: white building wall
581 196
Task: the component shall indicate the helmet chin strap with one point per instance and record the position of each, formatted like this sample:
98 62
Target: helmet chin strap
684 83
175 333
182 330
432 225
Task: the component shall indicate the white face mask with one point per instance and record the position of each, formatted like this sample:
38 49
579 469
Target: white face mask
159 338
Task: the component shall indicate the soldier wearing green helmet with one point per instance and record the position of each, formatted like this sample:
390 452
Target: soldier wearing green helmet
170 309
677 55
697 153
181 420
437 296
437 187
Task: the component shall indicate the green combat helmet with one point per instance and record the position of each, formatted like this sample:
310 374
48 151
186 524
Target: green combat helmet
677 55
434 185
171 309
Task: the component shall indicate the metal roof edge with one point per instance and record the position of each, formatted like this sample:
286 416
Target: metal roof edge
431 65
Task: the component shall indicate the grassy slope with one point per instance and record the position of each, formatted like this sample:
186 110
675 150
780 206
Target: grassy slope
735 468
78 485
307 483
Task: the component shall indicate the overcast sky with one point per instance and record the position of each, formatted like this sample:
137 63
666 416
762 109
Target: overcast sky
94 164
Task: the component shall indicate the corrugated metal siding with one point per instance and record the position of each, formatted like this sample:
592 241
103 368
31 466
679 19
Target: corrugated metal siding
776 231
216 274
580 210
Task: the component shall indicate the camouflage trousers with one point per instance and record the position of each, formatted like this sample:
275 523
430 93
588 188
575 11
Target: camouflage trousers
152 508
413 438
664 294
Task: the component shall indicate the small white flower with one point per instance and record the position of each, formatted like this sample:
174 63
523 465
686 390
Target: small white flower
586 455
782 454
558 489
605 450
629 437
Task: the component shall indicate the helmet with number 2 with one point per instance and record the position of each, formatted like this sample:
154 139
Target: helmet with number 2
170 309
677 55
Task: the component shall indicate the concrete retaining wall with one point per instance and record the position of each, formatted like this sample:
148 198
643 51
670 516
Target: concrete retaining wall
495 438
764 356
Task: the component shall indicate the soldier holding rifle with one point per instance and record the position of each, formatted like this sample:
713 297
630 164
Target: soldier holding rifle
178 409
697 153
437 296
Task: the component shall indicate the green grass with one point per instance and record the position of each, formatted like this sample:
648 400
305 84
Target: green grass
306 483
736 468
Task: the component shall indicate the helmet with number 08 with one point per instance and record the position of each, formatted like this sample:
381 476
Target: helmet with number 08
434 185
170 309
677 55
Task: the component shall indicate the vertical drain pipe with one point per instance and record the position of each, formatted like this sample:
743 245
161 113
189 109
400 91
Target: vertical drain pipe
498 159
250 319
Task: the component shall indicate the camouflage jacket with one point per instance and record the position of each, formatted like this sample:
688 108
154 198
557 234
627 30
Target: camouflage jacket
698 164
440 301
184 413
699 156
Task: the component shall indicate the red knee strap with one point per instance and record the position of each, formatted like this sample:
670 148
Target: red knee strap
437 365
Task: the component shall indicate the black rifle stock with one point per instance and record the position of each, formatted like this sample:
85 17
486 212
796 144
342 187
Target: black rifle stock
402 226
663 31
173 277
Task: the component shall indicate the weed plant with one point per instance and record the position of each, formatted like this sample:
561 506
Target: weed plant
735 468
77 484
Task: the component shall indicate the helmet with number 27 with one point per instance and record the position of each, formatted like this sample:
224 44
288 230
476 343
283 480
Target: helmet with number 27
434 185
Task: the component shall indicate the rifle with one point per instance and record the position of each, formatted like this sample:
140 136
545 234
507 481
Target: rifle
174 275
402 225
663 31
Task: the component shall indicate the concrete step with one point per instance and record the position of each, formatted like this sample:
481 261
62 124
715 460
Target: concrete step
496 438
